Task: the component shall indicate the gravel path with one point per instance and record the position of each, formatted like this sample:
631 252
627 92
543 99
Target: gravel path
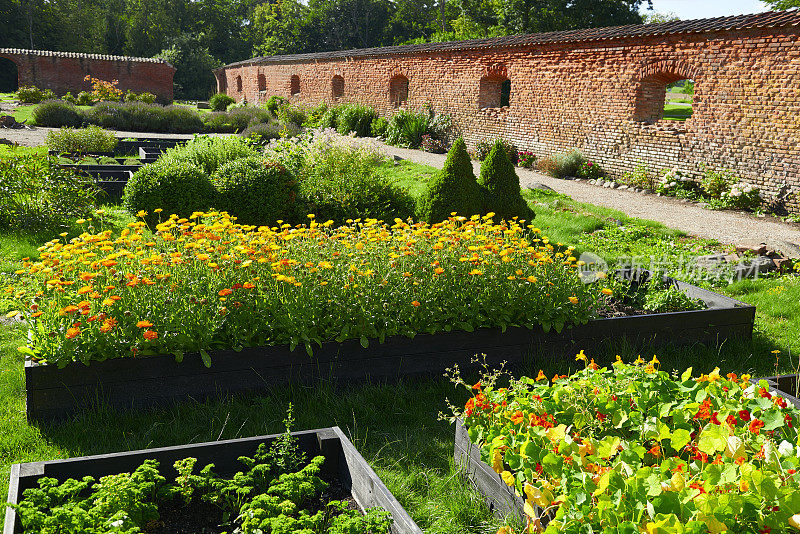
724 226
34 136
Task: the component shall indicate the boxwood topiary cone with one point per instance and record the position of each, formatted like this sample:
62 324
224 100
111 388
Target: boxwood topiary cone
453 189
500 185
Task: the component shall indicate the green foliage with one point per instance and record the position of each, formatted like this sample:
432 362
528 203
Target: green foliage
193 78
483 147
356 118
406 128
656 294
640 177
262 133
84 98
453 189
142 117
34 95
209 153
147 98
89 140
178 187
256 191
564 165
70 98
220 102
330 119
342 183
236 120
590 170
716 182
500 185
35 193
57 113
274 104
292 114
314 115
378 127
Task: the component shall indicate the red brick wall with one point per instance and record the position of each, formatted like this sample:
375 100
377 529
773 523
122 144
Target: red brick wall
594 96
63 72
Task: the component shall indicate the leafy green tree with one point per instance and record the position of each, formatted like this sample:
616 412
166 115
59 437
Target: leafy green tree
193 63
345 24
280 28
782 4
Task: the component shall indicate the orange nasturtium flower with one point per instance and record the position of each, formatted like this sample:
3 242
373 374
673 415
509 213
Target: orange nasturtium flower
541 376
150 335
144 324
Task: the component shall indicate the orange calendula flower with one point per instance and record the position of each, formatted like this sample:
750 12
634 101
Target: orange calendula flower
415 303
248 285
150 335
37 314
225 292
606 291
69 309
108 325
72 332
144 324
476 272
573 300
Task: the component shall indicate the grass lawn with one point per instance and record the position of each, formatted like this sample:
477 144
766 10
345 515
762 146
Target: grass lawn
677 112
7 151
395 427
8 97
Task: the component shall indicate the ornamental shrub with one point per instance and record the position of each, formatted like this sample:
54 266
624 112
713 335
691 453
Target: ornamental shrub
263 133
256 191
564 165
500 185
178 187
483 147
84 98
330 119
220 102
142 117
274 103
69 97
210 153
378 127
90 140
453 189
406 128
292 114
356 118
56 113
33 95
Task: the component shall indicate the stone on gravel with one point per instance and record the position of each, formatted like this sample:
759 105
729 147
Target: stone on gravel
539 185
759 265
756 247
647 191
787 249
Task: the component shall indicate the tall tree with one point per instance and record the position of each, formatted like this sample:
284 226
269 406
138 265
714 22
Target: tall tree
782 4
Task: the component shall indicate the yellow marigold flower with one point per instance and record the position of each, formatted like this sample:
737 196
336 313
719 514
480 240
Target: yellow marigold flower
476 272
573 300
157 210
144 324
532 279
84 290
639 360
141 213
415 303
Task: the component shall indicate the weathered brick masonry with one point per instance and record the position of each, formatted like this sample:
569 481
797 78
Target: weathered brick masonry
65 71
600 91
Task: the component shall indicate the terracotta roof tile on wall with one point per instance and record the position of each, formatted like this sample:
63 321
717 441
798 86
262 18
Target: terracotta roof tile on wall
54 53
771 19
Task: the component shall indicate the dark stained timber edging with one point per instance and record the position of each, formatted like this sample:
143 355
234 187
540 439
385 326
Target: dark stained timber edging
127 383
501 499
783 385
342 461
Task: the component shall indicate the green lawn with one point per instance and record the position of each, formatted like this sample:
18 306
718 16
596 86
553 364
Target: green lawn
677 112
395 427
10 151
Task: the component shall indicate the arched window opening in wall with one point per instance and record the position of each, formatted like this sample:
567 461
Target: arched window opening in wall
295 85
398 90
337 86
495 92
262 83
8 76
239 84
664 95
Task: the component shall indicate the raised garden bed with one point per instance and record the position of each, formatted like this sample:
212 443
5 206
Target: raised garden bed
111 179
126 383
342 462
785 386
500 497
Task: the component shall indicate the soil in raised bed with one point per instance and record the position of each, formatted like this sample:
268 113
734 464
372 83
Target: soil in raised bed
617 308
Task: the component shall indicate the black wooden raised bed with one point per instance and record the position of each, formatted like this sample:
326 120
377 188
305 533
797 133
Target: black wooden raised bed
783 385
500 497
127 383
111 179
342 462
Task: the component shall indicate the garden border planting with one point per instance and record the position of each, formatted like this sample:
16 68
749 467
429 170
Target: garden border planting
784 385
341 459
126 383
500 497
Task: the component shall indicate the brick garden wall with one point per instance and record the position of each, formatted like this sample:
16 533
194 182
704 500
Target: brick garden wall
601 97
65 71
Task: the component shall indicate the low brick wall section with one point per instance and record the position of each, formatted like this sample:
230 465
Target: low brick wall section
600 91
65 71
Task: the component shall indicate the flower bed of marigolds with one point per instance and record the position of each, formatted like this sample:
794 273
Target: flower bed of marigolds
208 282
629 448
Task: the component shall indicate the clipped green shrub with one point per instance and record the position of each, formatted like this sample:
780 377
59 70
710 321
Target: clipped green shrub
315 114
210 153
147 98
500 185
33 95
178 187
378 127
69 97
56 113
256 191
274 103
220 102
84 98
453 189
483 147
143 117
90 140
356 118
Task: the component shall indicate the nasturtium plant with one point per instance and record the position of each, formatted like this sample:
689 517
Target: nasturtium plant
630 448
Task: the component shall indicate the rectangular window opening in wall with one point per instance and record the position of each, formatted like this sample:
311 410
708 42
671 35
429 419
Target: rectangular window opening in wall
664 97
262 83
494 93
398 91
679 100
295 85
